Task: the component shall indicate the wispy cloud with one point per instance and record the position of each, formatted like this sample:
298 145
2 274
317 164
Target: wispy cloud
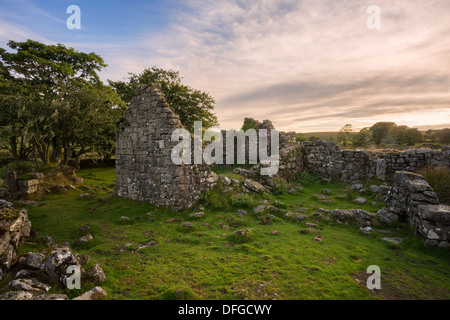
306 65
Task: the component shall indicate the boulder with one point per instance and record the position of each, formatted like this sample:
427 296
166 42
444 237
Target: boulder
50 297
32 260
56 264
436 213
255 186
197 214
96 274
94 294
16 295
387 217
29 285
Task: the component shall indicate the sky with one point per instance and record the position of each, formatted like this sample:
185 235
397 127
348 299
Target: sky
307 65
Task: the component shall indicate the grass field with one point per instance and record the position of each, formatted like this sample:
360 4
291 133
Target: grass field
208 261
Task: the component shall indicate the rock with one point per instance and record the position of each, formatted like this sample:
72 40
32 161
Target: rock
82 258
145 245
28 187
85 228
197 214
225 180
318 238
50 297
16 295
292 191
395 240
235 182
188 225
366 230
276 233
96 274
311 225
29 285
125 246
124 218
255 186
94 294
56 264
300 218
14 227
375 189
26 274
5 204
32 260
259 208
11 182
387 217
1 274
360 200
85 195
357 186
326 191
84 239
49 241
242 213
435 213
321 196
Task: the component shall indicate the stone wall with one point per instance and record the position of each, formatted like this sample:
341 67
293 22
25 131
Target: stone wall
413 199
144 167
14 226
326 158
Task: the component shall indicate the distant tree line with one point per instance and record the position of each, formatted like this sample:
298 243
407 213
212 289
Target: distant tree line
53 105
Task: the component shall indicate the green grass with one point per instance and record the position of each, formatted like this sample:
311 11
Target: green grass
209 261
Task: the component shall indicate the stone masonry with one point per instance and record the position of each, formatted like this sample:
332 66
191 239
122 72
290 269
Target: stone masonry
413 199
326 158
144 167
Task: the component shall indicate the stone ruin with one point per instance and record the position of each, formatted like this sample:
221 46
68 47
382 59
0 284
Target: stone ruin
411 198
144 166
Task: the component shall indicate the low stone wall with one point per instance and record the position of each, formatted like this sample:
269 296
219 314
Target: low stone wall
326 158
413 199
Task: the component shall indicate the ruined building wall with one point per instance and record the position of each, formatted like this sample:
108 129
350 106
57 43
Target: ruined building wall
326 157
144 167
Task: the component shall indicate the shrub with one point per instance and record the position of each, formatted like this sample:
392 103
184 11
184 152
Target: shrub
306 178
439 180
280 186
243 201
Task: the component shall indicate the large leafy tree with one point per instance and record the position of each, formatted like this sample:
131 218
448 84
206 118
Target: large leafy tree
380 131
190 104
48 93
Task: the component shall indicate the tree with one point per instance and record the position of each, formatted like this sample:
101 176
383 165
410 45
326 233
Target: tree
189 104
380 131
362 138
39 84
345 135
403 135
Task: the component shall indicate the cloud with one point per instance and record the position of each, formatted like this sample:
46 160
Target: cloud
303 64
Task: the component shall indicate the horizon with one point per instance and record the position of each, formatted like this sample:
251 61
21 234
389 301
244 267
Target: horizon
307 66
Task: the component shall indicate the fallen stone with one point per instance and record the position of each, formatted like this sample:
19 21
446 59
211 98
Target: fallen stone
96 274
56 264
395 240
50 297
197 214
387 217
255 186
16 295
48 241
84 239
242 213
29 285
32 260
188 225
366 230
360 200
259 208
95 294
